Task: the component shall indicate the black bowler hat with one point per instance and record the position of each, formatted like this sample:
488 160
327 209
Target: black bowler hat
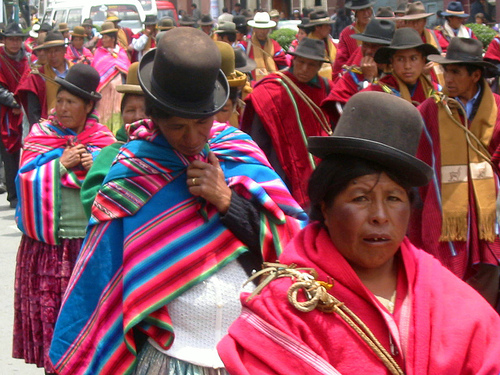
187 21
82 80
358 4
242 62
390 137
313 49
12 30
404 38
377 31
206 20
182 74
465 51
318 18
150 20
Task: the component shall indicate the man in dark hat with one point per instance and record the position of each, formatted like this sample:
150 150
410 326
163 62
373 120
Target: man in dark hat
361 69
241 29
456 222
206 24
226 33
407 56
454 25
320 26
207 192
38 88
14 64
144 40
266 52
298 94
91 34
363 12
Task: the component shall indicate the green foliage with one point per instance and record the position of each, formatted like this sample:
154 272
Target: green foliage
484 33
284 37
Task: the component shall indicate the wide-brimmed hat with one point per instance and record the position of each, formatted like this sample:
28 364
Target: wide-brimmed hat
415 11
226 27
112 17
274 13
82 80
13 29
108 27
206 20
242 62
313 49
63 27
455 9
180 82
34 30
318 18
466 51
132 85
225 17
359 4
53 39
87 22
228 65
78 31
166 23
385 12
404 38
150 20
261 21
379 31
390 138
400 10
187 21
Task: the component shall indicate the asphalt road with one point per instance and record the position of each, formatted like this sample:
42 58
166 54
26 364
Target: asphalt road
9 242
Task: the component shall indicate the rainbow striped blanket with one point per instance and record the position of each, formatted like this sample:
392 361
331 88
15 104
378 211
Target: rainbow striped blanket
109 63
39 179
151 240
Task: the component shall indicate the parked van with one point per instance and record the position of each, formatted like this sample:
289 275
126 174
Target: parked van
74 12
160 8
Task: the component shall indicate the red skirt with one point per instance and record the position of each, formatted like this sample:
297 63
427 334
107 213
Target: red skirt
42 275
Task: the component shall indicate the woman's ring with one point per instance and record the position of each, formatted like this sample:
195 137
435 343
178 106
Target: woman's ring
193 180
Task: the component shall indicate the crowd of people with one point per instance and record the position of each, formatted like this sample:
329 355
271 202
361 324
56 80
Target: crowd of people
196 199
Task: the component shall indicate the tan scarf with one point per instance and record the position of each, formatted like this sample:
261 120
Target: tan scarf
462 31
438 69
330 53
51 86
122 39
403 89
460 161
263 57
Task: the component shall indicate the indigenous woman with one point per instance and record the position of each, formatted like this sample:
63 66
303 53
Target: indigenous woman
133 108
186 211
407 56
76 52
57 155
112 63
353 295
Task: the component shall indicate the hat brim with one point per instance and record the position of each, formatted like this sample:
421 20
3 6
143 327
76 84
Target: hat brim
184 109
248 67
406 166
437 58
130 89
78 35
371 39
416 16
206 23
75 90
311 24
383 54
109 31
261 25
349 5
51 44
310 57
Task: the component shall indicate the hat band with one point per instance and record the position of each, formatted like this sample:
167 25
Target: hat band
465 57
326 19
454 12
263 22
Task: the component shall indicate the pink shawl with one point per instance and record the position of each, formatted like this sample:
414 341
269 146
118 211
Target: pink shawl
109 64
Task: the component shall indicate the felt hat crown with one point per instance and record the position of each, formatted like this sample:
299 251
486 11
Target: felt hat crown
378 31
112 17
206 20
82 81
108 27
466 51
303 23
384 12
87 22
455 9
225 17
166 23
132 85
150 19
178 81
242 62
187 21
404 38
358 4
63 27
226 27
400 10
78 31
415 11
261 21
240 21
13 29
53 39
390 138
45 27
228 65
313 49
319 17
274 13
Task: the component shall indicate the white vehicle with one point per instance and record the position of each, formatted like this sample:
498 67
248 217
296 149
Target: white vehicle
74 12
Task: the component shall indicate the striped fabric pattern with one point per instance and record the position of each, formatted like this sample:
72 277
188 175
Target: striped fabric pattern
39 179
109 64
153 242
